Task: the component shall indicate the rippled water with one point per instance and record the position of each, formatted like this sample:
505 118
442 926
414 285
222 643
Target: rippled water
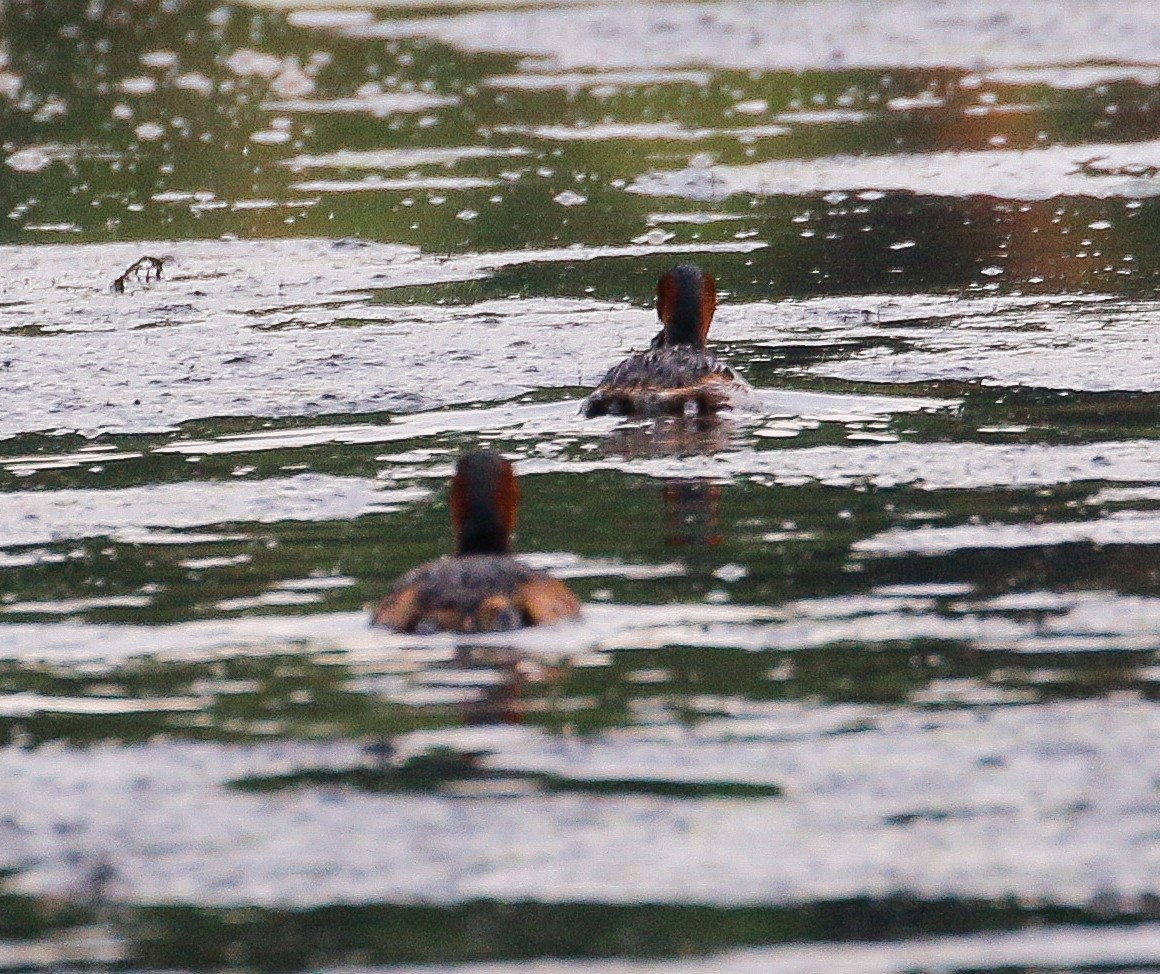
866 677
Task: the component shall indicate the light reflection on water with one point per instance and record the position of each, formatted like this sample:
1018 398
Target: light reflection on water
874 661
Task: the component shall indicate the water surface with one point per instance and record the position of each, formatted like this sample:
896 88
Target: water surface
866 676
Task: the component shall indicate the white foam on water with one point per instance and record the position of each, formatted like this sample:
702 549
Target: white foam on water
1050 803
40 516
1104 171
787 36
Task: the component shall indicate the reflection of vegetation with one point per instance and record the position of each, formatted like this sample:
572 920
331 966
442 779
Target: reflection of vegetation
1060 416
272 940
241 699
250 698
268 940
26 917
435 770
870 674
74 61
628 522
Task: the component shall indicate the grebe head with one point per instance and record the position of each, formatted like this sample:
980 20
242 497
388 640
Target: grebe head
484 499
686 300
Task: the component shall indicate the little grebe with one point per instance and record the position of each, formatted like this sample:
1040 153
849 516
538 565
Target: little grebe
481 588
677 375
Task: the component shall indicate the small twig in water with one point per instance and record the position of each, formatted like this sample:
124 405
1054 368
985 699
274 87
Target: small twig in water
151 265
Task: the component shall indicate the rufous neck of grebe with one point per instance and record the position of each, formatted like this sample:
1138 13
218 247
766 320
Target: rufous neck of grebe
484 499
686 300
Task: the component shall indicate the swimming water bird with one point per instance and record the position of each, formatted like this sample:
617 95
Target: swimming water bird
677 375
480 588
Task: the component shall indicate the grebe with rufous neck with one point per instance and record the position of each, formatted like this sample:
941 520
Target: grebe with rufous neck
677 375
481 587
